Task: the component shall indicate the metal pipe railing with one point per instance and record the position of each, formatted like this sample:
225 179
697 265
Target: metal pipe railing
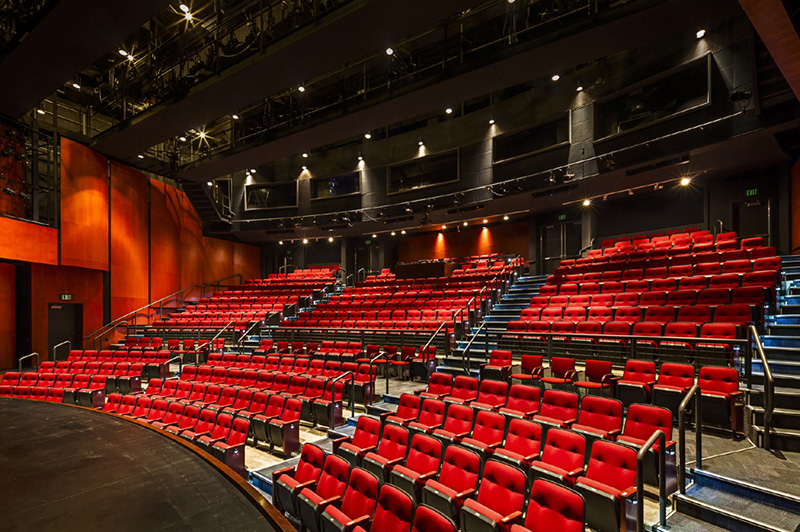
371 364
660 437
34 354
465 360
245 333
170 361
65 342
698 434
333 395
769 388
210 343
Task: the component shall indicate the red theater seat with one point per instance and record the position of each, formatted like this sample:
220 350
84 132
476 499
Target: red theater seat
553 507
500 500
609 487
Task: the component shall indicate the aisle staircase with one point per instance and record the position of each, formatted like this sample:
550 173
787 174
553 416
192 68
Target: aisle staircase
509 308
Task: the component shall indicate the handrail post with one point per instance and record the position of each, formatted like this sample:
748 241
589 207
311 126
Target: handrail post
661 438
59 345
769 388
698 429
682 437
29 356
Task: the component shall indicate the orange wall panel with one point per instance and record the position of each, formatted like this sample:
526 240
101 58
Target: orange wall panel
165 240
247 260
8 311
217 259
503 238
130 261
28 242
84 207
47 283
191 244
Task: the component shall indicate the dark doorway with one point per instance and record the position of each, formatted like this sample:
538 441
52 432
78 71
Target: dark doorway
558 242
64 323
752 218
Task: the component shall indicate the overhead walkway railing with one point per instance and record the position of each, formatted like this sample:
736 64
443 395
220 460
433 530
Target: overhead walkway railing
131 319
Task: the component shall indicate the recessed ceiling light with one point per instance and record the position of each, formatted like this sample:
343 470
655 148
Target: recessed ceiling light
580 88
40 111
140 156
555 77
182 139
389 51
505 217
330 239
449 110
301 88
235 116
465 224
685 181
210 184
305 155
700 33
184 8
123 53
305 241
587 202
76 86
403 232
368 135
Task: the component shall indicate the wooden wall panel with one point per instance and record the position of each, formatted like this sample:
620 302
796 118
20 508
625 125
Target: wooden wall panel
191 244
217 259
503 238
28 242
84 207
247 260
47 283
8 327
130 260
165 240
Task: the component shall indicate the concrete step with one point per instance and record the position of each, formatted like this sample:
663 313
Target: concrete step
780 439
778 366
782 418
786 329
784 381
784 398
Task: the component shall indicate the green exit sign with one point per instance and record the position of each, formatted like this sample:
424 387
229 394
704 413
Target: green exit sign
66 297
562 217
751 192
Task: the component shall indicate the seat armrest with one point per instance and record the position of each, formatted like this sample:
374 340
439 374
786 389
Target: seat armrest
358 520
333 500
609 378
198 434
628 492
338 442
538 372
575 473
395 461
571 375
467 493
494 445
570 422
512 518
614 433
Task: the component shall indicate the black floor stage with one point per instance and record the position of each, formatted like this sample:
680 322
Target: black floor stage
67 468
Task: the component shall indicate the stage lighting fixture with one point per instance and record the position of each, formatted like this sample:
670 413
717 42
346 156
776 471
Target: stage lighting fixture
505 217
587 202
685 181
76 86
182 139
465 224
209 183
485 220
301 88
374 236
330 239
40 111
305 241
393 233
368 135
188 16
280 242
555 77
184 8
449 110
305 155
305 167
123 53
700 33
235 116
389 51
403 232
140 156
580 88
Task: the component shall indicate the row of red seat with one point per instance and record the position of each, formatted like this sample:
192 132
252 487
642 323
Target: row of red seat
86 390
115 375
443 311
703 240
220 434
400 295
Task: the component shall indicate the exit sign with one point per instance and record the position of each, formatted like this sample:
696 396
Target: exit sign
562 217
751 192
66 297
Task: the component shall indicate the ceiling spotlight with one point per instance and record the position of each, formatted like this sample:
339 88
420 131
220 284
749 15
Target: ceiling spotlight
555 77
252 170
580 88
305 155
465 224
140 156
389 51
491 121
210 184
449 110
188 16
123 53
485 220
393 233
444 227
685 181
235 116
409 209
40 111
587 202
360 158
184 8
305 167
330 239
182 139
700 33
305 241
130 57
505 217
511 1
280 242
202 134
368 135
403 232
76 86
301 88
421 142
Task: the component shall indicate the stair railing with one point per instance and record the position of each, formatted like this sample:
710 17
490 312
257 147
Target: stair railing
382 354
698 434
333 396
661 438
166 364
465 359
34 354
210 343
769 388
160 303
65 342
244 335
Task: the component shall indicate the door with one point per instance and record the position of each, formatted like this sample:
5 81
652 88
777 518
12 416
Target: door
64 322
557 242
752 218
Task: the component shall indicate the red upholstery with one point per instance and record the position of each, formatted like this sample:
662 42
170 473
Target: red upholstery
598 376
329 488
407 409
487 434
458 479
390 452
722 400
600 417
637 379
422 463
439 385
523 401
558 408
562 456
522 444
288 482
500 499
393 511
426 519
431 416
492 395
357 505
553 507
610 478
465 389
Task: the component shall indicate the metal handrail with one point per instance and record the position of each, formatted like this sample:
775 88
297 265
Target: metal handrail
286 266
661 438
114 323
352 392
465 354
372 362
769 388
698 435
358 273
67 342
173 359
29 356
424 348
209 342
246 332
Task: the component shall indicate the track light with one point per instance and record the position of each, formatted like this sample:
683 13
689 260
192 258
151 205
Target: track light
360 158
368 135
491 121
403 232
374 235
555 77
305 167
301 88
389 51
700 33
579 88
182 139
123 53
210 184
140 156
40 111
485 220
685 181
76 86
465 224
393 233
330 239
252 170
587 202
305 155
421 142
184 8
409 210
235 116
505 217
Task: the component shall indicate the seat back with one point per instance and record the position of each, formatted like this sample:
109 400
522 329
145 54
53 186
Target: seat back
465 388
394 442
601 413
639 371
524 437
564 449
431 413
459 419
718 379
612 464
291 410
500 357
333 478
672 374
361 494
555 507
643 420
424 454
409 406
523 398
461 468
393 511
558 404
440 384
493 392
426 519
367 433
275 405
502 488
489 427
309 468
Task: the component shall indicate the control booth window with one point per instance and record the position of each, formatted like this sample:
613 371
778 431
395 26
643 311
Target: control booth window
271 195
335 186
422 172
